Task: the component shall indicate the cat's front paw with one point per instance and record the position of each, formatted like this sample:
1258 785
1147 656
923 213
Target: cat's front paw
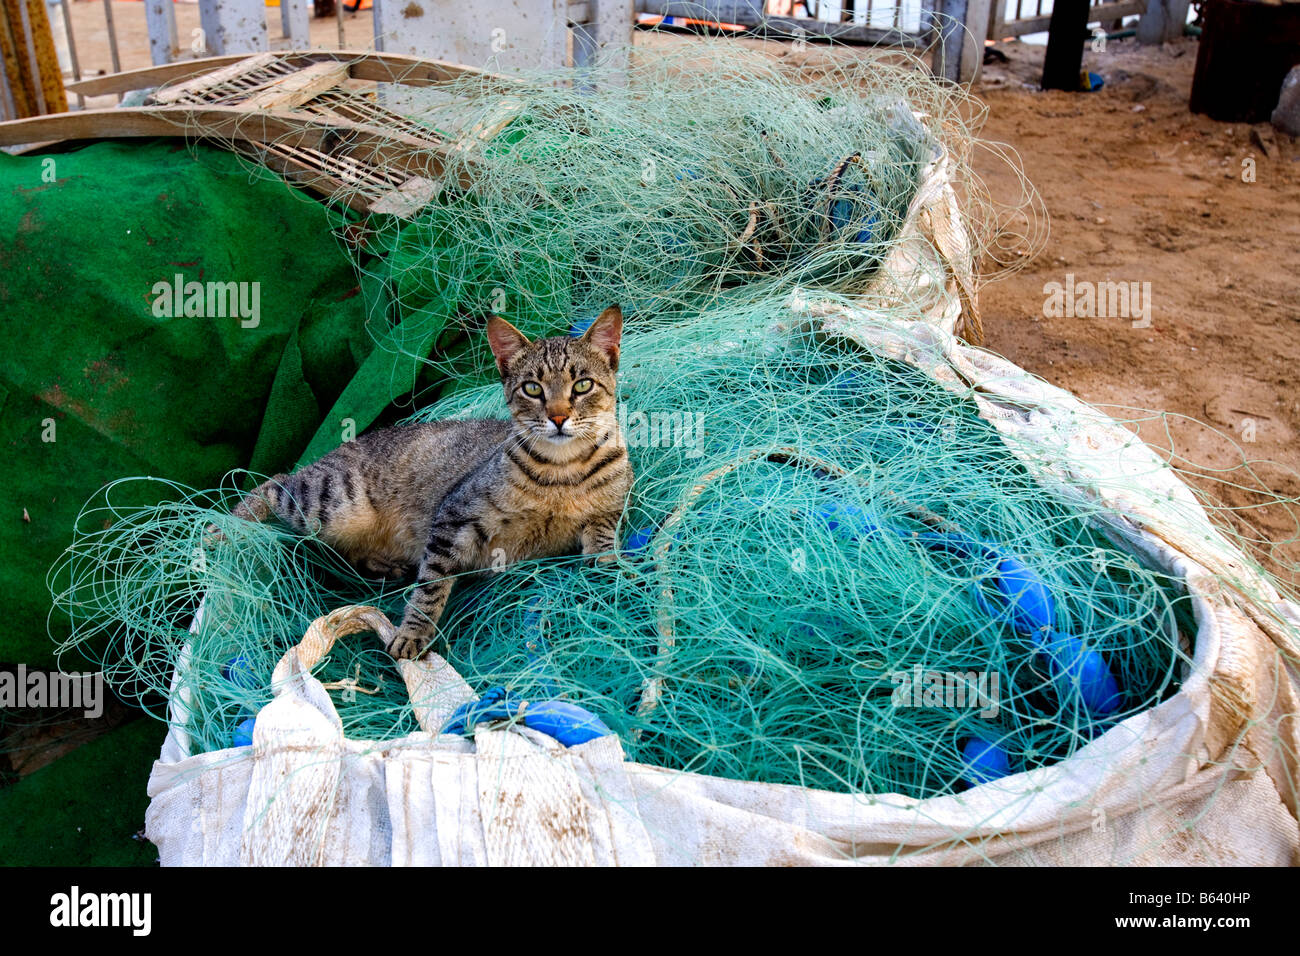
407 646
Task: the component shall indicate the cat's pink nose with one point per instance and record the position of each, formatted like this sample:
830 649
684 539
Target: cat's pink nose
559 421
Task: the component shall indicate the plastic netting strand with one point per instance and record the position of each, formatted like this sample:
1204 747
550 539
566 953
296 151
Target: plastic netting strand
789 586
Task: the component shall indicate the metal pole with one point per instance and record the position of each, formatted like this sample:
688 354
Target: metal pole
952 28
112 40
112 36
72 49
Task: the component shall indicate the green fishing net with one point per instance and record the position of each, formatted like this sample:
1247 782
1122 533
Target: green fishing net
810 569
833 573
713 176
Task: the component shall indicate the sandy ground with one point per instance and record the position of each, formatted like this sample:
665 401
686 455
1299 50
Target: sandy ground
1139 189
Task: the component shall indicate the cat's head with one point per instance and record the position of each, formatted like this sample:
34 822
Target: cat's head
561 391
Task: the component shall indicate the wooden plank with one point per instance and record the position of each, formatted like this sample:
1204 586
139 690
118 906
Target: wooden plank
380 67
407 199
1102 11
199 84
414 70
972 40
396 153
997 19
298 88
150 76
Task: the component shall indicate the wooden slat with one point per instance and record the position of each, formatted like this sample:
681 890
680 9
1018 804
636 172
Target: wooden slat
395 152
299 87
380 67
407 199
151 76
302 174
197 85
1099 13
487 130
415 71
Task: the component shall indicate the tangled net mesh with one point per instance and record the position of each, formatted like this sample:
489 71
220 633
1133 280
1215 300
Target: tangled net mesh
816 532
725 179
701 176
779 586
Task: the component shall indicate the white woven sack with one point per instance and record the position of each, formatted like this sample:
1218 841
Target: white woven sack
1209 776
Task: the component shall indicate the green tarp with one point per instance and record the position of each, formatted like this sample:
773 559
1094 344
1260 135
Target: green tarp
97 386
101 380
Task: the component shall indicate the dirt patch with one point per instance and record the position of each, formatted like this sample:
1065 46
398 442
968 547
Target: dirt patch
1140 190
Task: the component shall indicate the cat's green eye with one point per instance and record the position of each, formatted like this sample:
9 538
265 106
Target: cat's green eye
532 389
581 386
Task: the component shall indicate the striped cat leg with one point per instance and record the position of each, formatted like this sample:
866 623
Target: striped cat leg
305 501
600 538
257 506
263 501
451 548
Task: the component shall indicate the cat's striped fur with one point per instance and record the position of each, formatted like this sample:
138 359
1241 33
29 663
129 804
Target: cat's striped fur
455 496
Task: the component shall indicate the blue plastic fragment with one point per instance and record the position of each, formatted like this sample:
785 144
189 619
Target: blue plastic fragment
1029 601
496 704
983 762
1026 604
1077 669
243 733
568 723
1031 610
854 520
639 539
842 215
239 671
846 381
580 327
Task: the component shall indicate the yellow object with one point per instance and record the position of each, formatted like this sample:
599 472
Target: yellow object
36 91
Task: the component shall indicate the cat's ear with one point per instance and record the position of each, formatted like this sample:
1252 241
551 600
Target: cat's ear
606 332
506 341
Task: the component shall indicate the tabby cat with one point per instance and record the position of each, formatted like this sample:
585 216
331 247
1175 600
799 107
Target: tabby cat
454 496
